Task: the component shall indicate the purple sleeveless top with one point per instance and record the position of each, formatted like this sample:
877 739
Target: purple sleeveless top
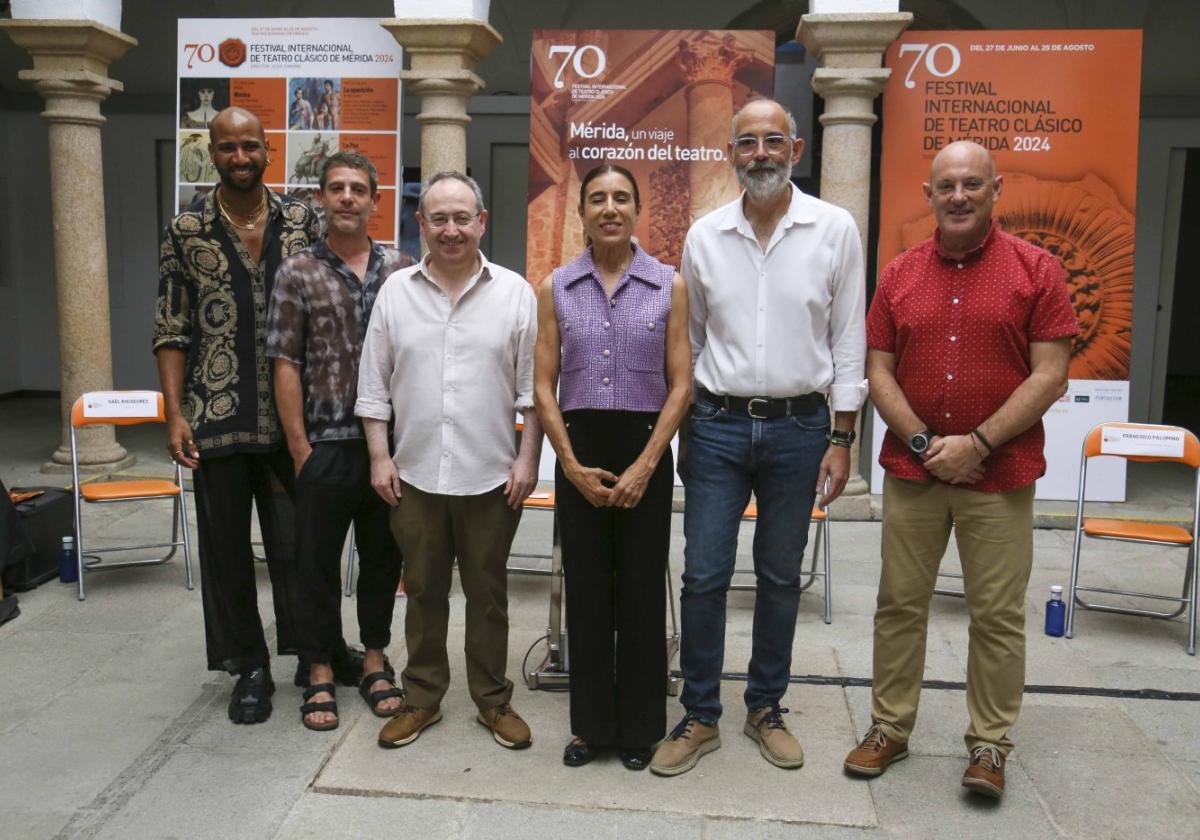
613 352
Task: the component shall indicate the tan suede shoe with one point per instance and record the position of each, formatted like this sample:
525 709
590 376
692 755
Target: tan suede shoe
506 726
680 751
776 744
407 725
874 753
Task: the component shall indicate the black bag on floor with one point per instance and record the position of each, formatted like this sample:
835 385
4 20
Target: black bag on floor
31 536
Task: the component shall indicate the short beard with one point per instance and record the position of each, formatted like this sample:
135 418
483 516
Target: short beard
228 182
767 180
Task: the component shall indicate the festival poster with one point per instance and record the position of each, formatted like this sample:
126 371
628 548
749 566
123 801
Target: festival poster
1058 109
319 85
659 103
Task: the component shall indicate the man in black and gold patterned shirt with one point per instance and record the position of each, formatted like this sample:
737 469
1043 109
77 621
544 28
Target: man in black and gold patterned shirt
216 270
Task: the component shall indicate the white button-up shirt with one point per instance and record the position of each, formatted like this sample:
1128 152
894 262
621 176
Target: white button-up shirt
453 376
781 322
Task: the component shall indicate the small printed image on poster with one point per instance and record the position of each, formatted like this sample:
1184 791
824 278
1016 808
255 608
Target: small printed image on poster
310 196
381 226
307 152
190 198
195 165
200 100
276 171
314 104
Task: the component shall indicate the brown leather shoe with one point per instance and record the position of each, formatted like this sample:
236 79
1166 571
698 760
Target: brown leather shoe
776 744
985 773
507 727
408 723
874 753
680 751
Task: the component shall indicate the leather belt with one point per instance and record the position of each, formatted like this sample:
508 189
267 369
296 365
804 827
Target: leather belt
764 408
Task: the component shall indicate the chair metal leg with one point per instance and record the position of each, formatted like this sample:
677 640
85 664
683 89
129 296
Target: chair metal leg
1195 591
828 576
350 565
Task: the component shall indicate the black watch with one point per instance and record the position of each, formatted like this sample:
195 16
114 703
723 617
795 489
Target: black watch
841 438
918 443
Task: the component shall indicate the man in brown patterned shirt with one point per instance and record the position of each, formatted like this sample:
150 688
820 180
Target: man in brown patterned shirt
216 268
319 312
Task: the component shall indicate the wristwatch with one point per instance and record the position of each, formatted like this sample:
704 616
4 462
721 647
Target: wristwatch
838 437
918 443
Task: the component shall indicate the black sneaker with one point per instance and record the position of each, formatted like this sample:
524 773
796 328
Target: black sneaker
251 698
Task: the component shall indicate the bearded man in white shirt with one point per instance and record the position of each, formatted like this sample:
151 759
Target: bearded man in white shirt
449 356
776 294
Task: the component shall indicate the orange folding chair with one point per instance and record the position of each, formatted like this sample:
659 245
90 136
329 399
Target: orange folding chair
1100 443
125 408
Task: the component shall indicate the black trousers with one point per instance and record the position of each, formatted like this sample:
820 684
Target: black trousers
334 490
225 487
614 562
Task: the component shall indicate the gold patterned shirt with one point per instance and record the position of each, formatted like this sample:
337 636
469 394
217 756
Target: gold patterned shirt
212 302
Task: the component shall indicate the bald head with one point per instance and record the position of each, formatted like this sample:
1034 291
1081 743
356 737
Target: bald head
234 120
963 152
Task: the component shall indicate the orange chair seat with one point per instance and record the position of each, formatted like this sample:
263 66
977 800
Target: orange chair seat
1123 530
108 491
752 513
540 503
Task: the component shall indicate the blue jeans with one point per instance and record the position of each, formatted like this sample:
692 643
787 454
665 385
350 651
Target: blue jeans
727 456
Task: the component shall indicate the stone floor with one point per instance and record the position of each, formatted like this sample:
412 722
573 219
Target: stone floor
113 729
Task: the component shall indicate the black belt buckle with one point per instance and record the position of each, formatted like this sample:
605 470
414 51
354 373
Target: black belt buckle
750 408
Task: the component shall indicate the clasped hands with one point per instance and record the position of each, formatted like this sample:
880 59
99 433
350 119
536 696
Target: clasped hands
604 489
954 459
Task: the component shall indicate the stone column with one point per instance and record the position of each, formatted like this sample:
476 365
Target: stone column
850 49
709 65
70 65
442 57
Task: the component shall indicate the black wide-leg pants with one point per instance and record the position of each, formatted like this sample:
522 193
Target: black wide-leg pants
334 490
614 563
225 486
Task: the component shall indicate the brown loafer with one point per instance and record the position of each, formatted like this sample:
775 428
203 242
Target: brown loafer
874 753
985 773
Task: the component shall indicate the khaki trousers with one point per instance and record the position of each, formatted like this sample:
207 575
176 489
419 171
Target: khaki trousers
432 530
994 532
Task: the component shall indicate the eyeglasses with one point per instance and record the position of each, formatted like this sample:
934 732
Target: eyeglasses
747 144
439 220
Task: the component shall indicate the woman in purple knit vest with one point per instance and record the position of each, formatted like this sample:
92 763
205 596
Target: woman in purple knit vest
613 337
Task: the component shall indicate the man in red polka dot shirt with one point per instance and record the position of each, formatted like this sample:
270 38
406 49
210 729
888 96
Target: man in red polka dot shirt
969 340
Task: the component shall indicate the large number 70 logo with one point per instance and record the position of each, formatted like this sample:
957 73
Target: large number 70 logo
569 51
930 55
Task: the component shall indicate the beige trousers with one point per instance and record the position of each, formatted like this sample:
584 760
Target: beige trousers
994 532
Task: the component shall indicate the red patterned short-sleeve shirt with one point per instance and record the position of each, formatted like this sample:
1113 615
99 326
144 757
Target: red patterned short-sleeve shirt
960 331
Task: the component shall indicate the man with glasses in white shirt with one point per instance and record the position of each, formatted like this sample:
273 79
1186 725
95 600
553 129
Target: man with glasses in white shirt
449 357
776 294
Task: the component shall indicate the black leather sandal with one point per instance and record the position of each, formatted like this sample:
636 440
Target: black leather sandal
374 698
324 706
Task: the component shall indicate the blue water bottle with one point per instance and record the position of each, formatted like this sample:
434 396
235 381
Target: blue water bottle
1056 612
68 565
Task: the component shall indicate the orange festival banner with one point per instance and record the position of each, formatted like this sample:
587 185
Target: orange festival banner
659 103
1058 110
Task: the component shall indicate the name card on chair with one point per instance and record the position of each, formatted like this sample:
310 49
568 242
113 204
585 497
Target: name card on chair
120 404
1153 442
